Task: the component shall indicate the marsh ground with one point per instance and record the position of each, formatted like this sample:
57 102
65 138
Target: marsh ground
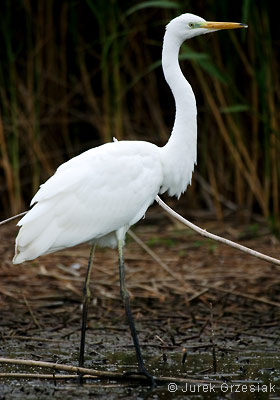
208 294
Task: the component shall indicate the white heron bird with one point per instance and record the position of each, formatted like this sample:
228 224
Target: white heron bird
96 196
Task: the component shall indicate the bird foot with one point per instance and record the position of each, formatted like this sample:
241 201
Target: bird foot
142 372
80 379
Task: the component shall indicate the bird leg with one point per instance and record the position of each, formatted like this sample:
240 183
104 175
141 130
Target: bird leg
86 299
125 298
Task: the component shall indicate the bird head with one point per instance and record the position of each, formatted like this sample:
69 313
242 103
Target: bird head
188 25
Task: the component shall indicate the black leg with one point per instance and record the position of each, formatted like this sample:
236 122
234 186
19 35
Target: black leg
86 299
125 297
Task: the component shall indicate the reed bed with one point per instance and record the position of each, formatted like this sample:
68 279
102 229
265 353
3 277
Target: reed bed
75 74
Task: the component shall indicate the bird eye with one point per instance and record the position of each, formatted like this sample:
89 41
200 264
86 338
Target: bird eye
191 25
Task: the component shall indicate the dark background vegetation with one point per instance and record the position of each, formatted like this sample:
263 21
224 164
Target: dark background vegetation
73 74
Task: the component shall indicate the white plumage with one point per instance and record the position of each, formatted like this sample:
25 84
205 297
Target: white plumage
99 194
90 197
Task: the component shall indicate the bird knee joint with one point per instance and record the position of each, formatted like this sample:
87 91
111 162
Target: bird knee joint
124 294
86 292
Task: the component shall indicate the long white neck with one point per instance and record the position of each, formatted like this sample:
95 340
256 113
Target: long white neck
179 154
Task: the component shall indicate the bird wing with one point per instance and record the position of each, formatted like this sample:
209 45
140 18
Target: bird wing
89 197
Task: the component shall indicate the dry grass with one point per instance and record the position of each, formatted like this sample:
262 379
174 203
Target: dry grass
242 291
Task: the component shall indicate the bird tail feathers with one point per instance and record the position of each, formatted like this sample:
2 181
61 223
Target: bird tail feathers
35 236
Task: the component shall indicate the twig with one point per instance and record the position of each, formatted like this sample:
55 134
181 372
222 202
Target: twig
31 312
60 367
19 375
196 295
12 218
245 295
213 340
152 254
100 374
217 238
31 338
208 188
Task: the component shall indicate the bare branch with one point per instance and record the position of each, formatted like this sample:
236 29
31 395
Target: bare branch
217 238
12 218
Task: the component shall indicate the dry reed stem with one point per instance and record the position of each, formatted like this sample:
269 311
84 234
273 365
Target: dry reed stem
242 149
152 254
256 189
6 165
36 323
214 186
247 296
93 373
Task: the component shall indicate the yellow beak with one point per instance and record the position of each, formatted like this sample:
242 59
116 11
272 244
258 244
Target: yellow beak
223 25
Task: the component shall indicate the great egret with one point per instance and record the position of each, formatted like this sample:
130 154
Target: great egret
96 196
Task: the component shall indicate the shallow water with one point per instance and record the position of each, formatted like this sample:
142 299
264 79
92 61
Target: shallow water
241 374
